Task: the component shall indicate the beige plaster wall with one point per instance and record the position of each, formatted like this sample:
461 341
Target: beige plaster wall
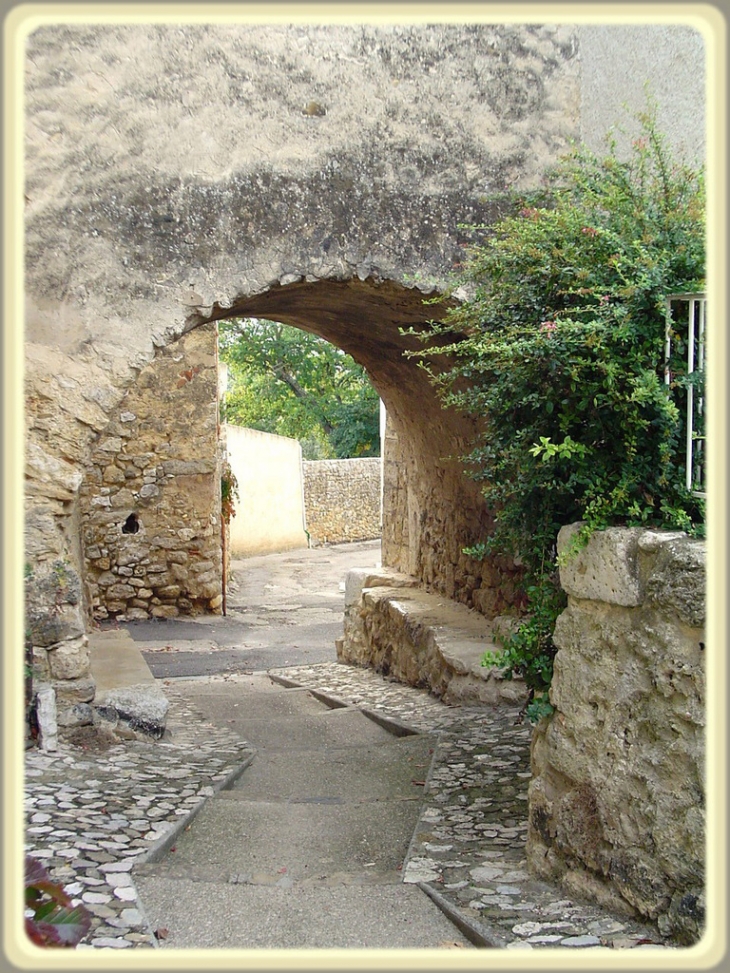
270 508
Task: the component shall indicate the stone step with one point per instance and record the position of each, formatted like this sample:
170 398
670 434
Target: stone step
307 846
424 639
127 701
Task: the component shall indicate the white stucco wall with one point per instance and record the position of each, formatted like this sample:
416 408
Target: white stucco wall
269 511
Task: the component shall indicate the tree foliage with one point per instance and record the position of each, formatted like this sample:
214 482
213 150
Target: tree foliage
291 383
560 350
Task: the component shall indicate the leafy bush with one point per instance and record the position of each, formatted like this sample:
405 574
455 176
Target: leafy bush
559 351
50 918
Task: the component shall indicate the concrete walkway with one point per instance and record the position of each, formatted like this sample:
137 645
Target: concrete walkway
306 848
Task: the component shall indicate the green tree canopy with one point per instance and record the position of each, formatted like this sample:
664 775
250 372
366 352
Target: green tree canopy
292 383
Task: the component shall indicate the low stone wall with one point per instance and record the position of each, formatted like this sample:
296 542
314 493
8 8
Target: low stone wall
617 797
422 639
342 500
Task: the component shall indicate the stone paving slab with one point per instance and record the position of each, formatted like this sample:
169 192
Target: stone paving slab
293 841
468 850
381 772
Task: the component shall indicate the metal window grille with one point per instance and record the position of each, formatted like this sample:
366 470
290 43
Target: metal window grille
685 336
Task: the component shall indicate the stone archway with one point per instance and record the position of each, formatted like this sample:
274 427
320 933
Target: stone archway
155 466
318 175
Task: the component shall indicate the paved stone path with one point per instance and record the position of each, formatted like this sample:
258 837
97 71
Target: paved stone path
93 814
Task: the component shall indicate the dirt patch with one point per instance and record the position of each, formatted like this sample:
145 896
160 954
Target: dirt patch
90 739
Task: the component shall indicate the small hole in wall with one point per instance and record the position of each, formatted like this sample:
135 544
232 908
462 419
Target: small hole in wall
130 525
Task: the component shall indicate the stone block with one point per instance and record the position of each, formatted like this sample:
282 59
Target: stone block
41 667
674 575
72 691
81 714
168 591
359 578
175 467
49 626
165 611
46 715
606 569
112 474
120 591
142 708
111 445
70 659
138 612
209 590
142 460
49 475
123 499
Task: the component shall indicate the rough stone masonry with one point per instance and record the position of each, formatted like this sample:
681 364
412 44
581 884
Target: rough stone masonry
318 175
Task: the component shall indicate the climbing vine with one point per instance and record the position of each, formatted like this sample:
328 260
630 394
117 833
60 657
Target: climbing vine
229 492
559 350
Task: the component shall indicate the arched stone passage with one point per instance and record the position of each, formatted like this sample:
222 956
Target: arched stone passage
177 174
155 465
430 510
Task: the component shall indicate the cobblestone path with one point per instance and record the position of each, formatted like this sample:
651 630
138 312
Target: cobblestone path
94 813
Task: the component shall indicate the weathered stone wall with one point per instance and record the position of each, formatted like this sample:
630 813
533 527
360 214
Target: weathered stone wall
150 502
318 175
617 798
342 499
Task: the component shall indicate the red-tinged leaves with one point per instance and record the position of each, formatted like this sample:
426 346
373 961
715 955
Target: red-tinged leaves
54 922
61 927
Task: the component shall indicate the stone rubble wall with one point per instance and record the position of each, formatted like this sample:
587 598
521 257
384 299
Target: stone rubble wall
618 790
342 499
422 639
158 460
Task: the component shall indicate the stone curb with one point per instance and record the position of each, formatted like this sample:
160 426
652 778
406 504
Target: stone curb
474 932
159 847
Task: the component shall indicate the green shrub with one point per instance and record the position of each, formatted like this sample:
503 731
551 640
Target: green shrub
559 352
